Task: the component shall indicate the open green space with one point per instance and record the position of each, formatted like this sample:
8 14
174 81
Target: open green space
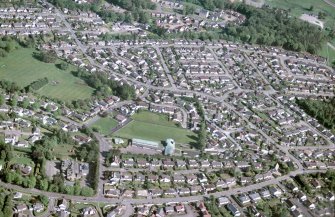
328 52
21 67
153 118
298 7
152 126
105 125
64 151
22 158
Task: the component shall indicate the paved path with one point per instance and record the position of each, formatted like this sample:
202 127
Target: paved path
330 2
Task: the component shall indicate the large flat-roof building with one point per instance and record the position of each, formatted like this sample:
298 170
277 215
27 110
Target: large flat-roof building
147 144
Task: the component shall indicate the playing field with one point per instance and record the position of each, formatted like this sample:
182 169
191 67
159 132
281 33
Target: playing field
156 127
298 7
21 67
105 125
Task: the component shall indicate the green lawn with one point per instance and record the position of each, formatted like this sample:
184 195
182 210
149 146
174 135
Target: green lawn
298 7
327 52
155 132
153 118
20 66
105 125
64 151
21 158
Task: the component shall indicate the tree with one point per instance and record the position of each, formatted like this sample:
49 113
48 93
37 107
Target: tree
44 199
86 191
188 9
311 8
2 99
63 66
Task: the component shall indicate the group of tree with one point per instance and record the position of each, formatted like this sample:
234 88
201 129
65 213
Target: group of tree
106 87
322 110
46 56
274 27
7 45
6 204
36 85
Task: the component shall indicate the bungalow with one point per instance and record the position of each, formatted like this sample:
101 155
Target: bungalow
301 196
265 193
62 204
255 197
156 192
195 189
180 208
316 183
20 208
309 204
290 204
178 179
120 118
233 209
243 199
142 193
184 191
275 191
222 201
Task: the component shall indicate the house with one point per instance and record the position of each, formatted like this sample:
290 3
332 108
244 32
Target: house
265 193
120 118
62 204
142 193
202 178
309 204
330 196
223 201
169 210
178 179
255 197
290 204
275 191
301 196
38 207
184 191
316 183
296 213
243 199
180 208
233 209
20 208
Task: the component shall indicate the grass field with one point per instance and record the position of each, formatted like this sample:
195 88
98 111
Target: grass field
298 7
105 125
152 126
156 127
20 66
327 52
153 118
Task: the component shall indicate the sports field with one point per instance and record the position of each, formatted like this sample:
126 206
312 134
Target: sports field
21 67
156 127
105 125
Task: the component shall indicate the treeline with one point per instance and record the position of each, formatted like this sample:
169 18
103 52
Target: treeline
106 87
134 4
274 27
6 204
208 4
36 85
46 56
322 110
